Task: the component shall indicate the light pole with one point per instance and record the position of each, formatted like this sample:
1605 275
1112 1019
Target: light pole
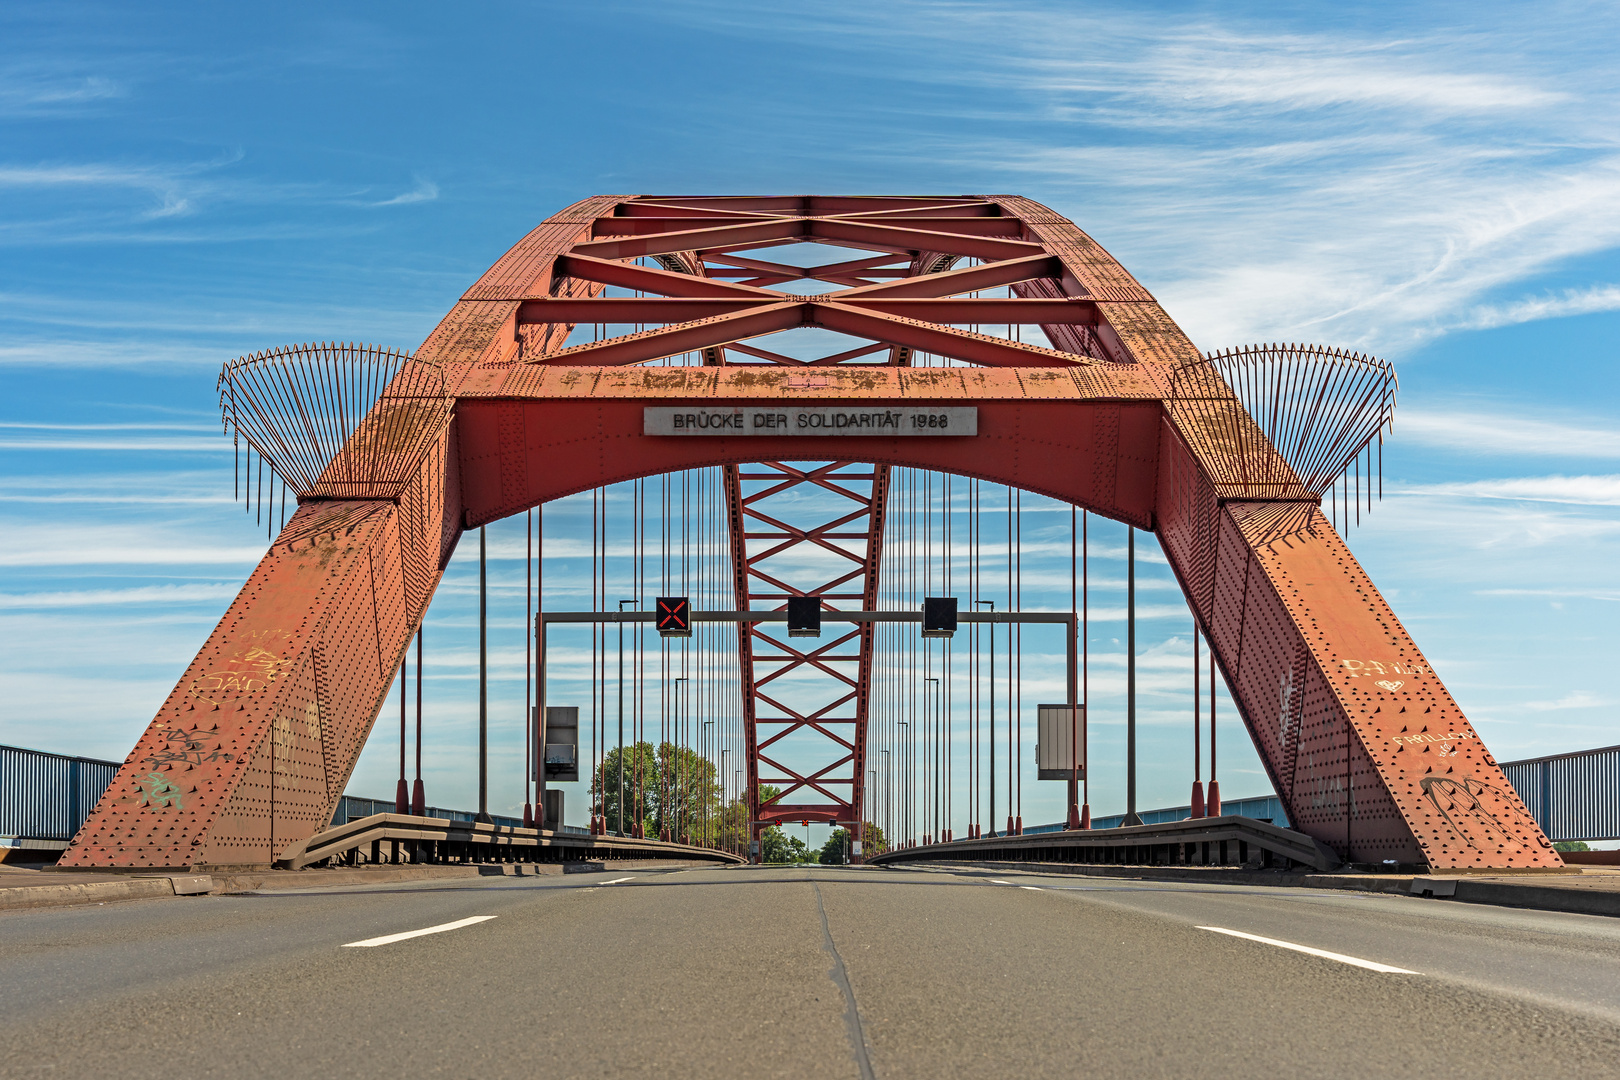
483 679
933 733
621 714
725 795
707 747
871 797
673 807
905 780
1131 817
888 797
992 605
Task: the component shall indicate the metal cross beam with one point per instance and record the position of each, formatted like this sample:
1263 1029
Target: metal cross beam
838 811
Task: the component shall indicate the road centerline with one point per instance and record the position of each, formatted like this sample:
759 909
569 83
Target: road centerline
389 939
1354 961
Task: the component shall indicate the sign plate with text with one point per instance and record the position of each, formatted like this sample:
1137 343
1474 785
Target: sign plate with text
812 420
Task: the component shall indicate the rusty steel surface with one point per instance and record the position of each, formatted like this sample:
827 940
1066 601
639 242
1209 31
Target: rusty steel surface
1365 746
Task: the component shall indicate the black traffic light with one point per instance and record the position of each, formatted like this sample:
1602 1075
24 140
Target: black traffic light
939 616
674 616
804 616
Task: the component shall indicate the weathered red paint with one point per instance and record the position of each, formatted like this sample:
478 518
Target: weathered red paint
1365 746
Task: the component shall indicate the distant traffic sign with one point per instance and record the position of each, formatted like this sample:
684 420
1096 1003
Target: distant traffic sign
675 616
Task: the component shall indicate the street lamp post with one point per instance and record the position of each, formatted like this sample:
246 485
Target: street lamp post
674 800
888 797
934 701
992 606
621 714
724 793
905 779
707 747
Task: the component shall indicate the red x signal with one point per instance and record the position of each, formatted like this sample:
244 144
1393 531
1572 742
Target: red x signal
674 616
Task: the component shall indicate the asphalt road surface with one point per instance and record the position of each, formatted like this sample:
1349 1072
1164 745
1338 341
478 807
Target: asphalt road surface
823 972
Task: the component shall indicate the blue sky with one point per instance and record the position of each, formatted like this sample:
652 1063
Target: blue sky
1438 184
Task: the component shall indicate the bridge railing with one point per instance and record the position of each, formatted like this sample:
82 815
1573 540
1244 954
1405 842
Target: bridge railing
1571 796
1261 807
354 807
46 796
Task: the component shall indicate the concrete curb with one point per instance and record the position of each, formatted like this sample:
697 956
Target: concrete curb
151 887
102 892
1576 899
247 882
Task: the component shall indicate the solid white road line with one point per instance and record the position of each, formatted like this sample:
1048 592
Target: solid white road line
1353 961
1031 888
616 880
389 939
998 881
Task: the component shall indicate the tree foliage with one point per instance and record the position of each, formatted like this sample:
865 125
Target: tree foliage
835 852
776 846
665 787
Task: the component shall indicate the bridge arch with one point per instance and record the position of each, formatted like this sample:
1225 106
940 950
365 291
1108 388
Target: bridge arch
1344 709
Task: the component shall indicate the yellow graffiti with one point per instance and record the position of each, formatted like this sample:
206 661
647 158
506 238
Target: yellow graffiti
251 671
1357 668
1425 737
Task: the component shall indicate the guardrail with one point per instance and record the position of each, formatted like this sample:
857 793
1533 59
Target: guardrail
1266 808
1228 840
411 839
47 796
1571 796
354 807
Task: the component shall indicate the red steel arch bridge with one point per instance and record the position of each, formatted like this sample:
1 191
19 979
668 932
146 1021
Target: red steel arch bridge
639 339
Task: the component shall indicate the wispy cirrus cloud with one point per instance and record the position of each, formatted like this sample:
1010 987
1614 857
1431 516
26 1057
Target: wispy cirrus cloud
1576 490
1575 699
40 93
1585 301
174 187
1508 434
424 191
1268 176
146 595
144 543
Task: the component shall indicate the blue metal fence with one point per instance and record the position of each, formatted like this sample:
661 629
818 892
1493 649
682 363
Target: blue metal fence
1265 807
1571 796
48 796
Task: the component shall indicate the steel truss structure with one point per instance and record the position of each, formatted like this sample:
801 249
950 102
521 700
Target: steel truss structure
1118 413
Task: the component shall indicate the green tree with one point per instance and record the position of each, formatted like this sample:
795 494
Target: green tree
670 787
835 852
776 846
1571 845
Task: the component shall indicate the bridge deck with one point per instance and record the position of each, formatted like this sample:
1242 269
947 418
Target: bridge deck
809 972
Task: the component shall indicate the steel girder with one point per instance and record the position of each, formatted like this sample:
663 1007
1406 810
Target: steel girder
1368 750
838 708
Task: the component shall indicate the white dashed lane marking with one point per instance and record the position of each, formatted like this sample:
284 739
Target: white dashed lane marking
389 939
1354 961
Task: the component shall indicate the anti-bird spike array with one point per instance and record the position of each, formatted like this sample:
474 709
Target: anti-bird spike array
337 421
1325 411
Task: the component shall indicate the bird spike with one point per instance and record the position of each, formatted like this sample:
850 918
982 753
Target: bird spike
1288 422
336 420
